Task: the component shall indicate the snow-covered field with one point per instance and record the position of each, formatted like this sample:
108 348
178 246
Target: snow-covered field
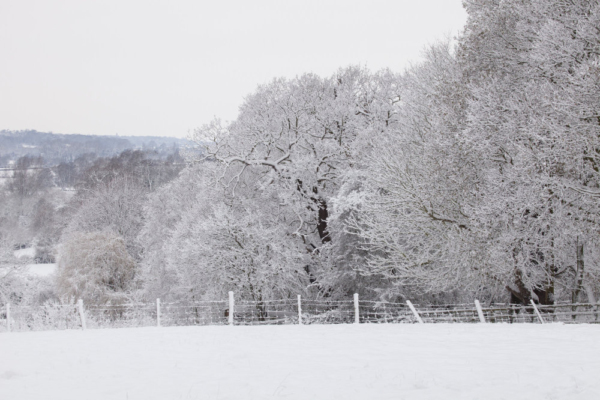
41 269
442 361
34 269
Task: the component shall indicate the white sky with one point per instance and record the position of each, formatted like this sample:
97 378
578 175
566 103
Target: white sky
163 68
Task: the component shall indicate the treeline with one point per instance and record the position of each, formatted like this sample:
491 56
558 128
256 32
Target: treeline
60 148
472 174
41 206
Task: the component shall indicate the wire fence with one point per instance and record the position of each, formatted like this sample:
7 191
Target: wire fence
58 316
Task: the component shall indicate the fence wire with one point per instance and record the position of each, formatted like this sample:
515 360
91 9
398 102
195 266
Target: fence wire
55 316
49 316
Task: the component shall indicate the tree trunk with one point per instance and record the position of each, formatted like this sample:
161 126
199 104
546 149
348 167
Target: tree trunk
579 271
322 224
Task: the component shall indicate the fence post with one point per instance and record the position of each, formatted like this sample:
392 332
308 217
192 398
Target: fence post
414 311
81 314
356 312
537 311
158 312
231 308
479 311
8 317
299 310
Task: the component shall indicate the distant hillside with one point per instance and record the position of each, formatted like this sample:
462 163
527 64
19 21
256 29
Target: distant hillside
56 148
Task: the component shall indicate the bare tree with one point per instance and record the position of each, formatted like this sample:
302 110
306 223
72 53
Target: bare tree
95 267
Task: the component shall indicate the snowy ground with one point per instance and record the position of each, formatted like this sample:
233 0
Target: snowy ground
41 269
460 361
29 252
34 269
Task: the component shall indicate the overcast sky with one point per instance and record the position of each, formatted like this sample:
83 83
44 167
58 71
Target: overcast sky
162 68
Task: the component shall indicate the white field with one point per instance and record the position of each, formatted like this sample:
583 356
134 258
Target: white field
41 269
29 252
34 269
442 361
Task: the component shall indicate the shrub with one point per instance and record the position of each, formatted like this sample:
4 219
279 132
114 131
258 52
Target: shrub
95 267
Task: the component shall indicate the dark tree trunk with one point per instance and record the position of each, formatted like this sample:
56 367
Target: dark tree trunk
579 271
322 224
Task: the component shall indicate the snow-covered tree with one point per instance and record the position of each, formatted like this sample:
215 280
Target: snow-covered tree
11 269
291 145
489 179
413 212
533 118
116 205
474 172
95 267
162 212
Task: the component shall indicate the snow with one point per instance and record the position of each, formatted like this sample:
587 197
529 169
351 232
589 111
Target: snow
388 361
28 252
37 270
41 269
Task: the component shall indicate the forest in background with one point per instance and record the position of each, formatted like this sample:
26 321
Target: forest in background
474 173
42 189
56 148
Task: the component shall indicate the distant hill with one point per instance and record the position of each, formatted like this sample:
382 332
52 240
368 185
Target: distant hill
56 148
